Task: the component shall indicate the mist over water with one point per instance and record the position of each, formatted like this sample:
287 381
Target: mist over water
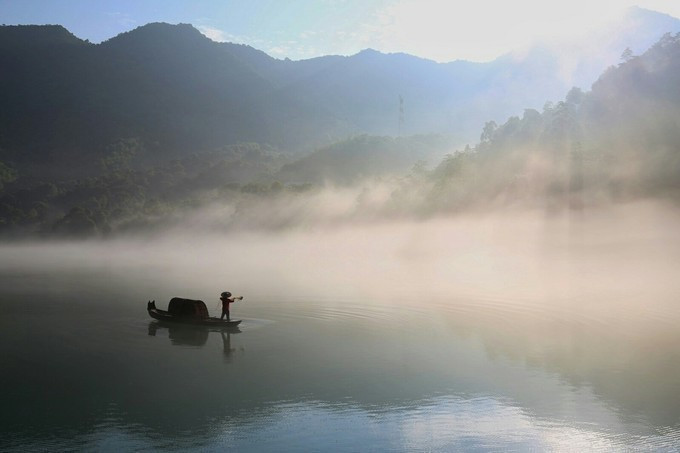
623 251
506 329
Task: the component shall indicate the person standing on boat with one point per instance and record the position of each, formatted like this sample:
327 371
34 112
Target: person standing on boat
227 299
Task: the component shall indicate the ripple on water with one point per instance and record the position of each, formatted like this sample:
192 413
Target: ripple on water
442 424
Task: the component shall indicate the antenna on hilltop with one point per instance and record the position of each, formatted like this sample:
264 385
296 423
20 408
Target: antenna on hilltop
401 115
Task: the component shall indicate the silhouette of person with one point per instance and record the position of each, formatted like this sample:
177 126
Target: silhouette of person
227 299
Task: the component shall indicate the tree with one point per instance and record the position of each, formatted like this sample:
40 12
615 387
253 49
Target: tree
120 153
78 222
627 55
488 131
575 96
7 174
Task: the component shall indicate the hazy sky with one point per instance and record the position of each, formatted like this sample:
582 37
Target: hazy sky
441 30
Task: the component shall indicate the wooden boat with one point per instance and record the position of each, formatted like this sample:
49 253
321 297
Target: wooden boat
188 311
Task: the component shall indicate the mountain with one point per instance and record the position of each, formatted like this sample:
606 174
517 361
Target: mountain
619 141
458 97
579 60
364 157
66 100
66 103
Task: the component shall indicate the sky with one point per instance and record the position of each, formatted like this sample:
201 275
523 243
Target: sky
440 30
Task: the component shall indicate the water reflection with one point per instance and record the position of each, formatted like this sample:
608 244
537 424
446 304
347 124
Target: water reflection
229 352
191 335
182 335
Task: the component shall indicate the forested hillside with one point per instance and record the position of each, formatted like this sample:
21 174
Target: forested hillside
618 142
67 103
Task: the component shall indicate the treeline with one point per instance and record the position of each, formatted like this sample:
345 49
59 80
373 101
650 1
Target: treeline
618 142
128 194
358 158
123 197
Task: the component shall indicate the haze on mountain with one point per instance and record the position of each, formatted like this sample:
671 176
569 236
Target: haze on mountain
176 91
148 128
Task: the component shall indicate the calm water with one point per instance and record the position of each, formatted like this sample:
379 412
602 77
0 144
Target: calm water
84 367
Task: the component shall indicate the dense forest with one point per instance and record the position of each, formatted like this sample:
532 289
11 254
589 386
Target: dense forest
617 142
127 196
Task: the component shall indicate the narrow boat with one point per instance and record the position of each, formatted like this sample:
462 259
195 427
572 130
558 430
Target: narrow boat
188 311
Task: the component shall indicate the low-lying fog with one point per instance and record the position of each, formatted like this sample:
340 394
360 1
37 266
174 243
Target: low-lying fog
616 262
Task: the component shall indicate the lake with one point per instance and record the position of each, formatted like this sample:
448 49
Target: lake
484 333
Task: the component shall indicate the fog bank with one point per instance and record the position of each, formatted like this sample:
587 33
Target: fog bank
615 263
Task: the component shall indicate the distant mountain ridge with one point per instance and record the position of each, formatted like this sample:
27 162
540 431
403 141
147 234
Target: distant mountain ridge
617 142
64 100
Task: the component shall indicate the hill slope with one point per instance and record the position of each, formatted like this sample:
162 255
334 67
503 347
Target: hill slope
67 102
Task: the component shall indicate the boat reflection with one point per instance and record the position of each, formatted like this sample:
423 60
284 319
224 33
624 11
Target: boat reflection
191 335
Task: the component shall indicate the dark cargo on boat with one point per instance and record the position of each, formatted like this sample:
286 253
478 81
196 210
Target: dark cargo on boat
188 307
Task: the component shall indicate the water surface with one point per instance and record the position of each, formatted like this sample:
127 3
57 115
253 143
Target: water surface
416 338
